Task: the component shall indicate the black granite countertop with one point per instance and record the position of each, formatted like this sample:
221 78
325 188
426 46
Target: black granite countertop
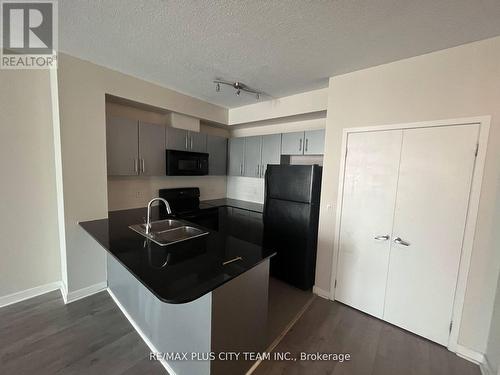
177 273
236 203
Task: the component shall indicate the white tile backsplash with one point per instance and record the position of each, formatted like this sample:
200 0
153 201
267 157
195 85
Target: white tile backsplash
136 191
245 188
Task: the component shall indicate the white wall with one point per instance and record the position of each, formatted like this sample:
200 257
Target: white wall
457 82
82 89
29 253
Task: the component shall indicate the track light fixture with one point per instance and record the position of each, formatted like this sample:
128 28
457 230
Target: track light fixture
239 87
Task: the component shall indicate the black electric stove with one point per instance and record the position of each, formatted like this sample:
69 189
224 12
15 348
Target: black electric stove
185 204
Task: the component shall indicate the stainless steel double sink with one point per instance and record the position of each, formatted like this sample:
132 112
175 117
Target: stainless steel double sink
168 232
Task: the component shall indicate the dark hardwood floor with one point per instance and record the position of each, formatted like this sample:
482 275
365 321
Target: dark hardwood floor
376 347
42 336
91 336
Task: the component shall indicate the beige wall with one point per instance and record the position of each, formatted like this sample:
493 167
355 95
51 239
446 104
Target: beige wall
29 254
458 82
493 350
82 89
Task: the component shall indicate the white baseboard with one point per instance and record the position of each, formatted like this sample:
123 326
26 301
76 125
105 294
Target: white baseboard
139 331
29 293
321 292
486 368
84 292
469 354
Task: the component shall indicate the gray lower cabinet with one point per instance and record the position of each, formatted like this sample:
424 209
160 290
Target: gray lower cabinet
217 155
151 149
184 140
122 146
314 143
271 151
252 158
292 143
236 156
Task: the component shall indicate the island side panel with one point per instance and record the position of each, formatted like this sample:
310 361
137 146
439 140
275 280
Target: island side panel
239 318
170 327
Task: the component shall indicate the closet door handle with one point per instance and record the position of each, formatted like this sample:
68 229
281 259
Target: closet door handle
400 241
382 238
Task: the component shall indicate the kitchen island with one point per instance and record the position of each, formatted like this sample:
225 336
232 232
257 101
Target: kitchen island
186 297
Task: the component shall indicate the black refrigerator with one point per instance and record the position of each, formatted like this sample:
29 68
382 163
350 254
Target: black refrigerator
291 216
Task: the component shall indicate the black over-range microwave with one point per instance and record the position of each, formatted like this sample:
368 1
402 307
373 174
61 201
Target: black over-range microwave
186 163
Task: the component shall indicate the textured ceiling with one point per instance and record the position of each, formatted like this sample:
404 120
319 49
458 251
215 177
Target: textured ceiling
279 46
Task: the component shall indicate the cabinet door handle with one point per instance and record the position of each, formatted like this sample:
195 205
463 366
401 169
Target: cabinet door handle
186 141
300 144
136 167
307 143
400 241
262 171
382 238
143 165
258 170
241 169
191 139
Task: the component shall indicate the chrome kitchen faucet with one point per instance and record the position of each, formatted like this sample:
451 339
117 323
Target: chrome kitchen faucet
148 219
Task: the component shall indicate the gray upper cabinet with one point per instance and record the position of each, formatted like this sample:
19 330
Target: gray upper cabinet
271 151
183 140
217 155
236 156
177 139
292 143
197 142
134 147
252 159
151 149
122 146
314 142
311 142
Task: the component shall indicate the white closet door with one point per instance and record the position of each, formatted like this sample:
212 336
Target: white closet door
431 206
370 181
